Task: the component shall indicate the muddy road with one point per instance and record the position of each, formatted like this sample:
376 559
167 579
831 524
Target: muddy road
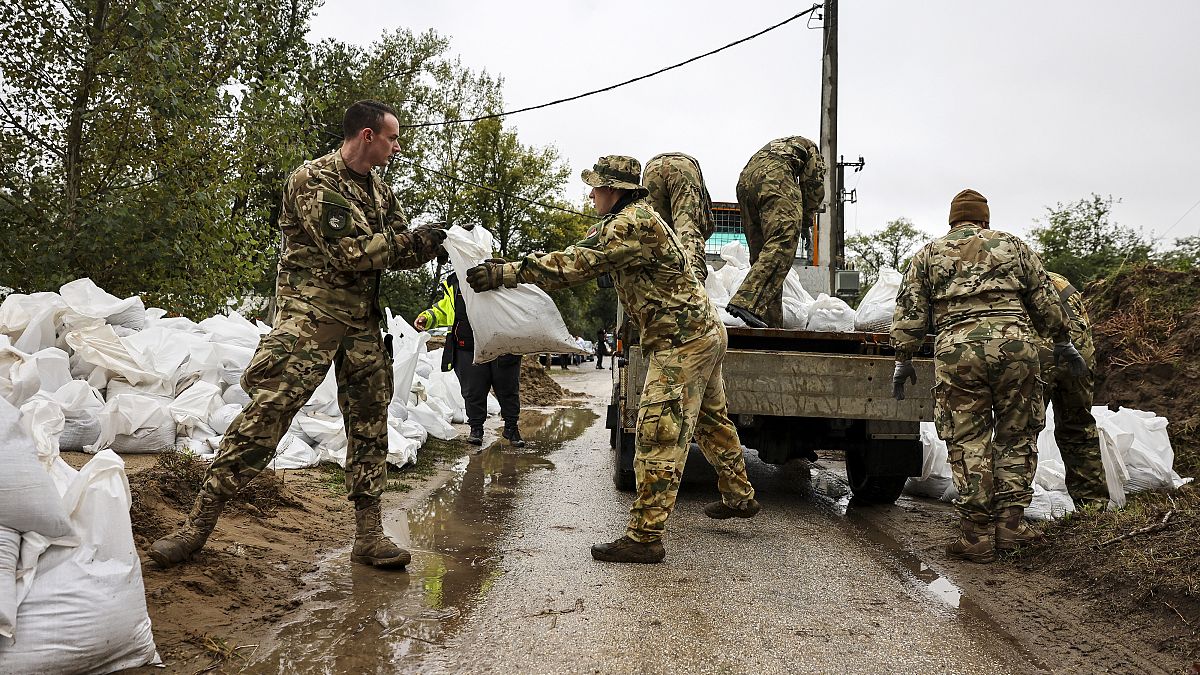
502 580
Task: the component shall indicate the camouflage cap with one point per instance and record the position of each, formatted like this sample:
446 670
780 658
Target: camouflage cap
616 171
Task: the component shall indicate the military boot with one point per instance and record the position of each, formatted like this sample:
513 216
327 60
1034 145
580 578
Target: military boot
976 543
371 545
181 544
752 320
626 550
476 437
1012 531
721 510
513 436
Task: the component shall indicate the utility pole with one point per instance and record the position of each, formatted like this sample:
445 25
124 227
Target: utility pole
831 242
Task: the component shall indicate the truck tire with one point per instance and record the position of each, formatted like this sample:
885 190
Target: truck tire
623 476
869 488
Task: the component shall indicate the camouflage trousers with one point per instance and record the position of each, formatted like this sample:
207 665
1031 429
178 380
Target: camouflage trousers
1075 431
684 397
989 411
773 217
290 363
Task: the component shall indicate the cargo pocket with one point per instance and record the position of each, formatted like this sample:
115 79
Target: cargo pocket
270 359
660 415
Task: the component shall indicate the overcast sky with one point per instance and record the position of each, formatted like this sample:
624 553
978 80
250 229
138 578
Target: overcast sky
1031 103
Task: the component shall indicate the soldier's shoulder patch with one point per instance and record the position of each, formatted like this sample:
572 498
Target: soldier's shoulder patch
335 219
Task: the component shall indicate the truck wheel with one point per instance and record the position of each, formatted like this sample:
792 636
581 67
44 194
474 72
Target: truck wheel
868 488
623 476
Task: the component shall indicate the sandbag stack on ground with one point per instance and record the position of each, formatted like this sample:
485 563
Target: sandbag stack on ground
1134 446
107 373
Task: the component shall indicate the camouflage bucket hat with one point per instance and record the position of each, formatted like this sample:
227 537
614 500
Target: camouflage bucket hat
615 171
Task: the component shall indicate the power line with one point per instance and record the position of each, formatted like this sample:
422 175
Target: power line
464 181
1172 226
619 84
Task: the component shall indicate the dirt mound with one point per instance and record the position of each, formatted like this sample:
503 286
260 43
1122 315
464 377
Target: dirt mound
1146 325
538 388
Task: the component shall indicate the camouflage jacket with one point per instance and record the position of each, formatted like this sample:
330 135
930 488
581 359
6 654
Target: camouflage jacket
650 270
678 194
975 284
337 239
797 156
1078 324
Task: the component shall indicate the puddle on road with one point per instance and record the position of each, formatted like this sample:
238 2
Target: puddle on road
358 620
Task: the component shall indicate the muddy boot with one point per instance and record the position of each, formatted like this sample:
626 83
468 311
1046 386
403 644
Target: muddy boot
371 545
513 436
976 543
626 550
476 437
181 544
1012 531
721 510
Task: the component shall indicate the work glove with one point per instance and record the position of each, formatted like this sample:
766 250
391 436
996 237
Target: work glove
1065 351
427 242
489 275
904 371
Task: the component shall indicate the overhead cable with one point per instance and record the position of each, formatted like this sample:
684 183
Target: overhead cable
619 84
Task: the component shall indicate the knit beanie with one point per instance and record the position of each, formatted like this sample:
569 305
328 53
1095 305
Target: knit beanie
969 205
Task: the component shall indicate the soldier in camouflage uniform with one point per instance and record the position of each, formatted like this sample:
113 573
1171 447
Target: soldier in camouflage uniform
1074 426
683 340
342 227
678 194
983 293
780 190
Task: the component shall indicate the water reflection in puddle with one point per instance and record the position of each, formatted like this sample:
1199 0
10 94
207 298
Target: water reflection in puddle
358 620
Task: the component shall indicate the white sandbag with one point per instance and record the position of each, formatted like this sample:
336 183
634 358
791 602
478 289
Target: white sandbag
493 404
19 378
444 386
830 315
792 288
79 431
162 351
434 422
135 423
714 286
102 347
223 417
83 609
234 329
28 500
217 362
401 449
1048 504
879 304
43 419
53 369
736 254
1051 471
795 313
294 453
196 405
1150 457
87 299
936 480
408 345
1115 473
31 321
235 395
324 401
521 320
10 550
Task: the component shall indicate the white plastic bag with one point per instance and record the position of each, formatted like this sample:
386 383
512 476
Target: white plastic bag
879 304
936 480
28 500
830 315
83 609
10 550
521 320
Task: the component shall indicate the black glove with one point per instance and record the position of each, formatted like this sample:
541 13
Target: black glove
427 242
1065 351
904 371
485 276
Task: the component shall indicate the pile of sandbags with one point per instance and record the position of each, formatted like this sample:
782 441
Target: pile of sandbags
1134 448
723 283
93 372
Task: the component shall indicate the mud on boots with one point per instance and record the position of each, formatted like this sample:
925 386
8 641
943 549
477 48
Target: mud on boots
371 546
183 543
626 550
977 543
1012 531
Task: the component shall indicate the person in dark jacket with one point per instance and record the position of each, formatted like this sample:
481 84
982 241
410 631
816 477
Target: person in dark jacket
502 375
601 348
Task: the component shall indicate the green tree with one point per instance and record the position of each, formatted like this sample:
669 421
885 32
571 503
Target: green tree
1185 256
1081 242
118 125
893 246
